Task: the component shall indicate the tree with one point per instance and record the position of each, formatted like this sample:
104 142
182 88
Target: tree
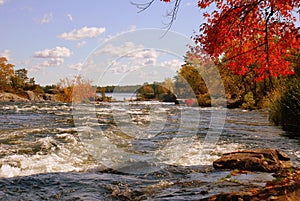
146 92
167 86
19 79
22 74
260 32
6 71
76 90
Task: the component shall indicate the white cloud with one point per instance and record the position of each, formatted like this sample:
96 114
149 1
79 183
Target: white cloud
117 51
134 61
46 18
81 44
85 32
77 66
70 17
174 64
121 68
56 52
6 54
144 57
2 2
126 57
52 62
54 56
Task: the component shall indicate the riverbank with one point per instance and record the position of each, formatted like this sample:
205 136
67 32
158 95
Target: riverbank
10 97
27 96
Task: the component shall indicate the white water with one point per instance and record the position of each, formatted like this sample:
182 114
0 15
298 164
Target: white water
40 140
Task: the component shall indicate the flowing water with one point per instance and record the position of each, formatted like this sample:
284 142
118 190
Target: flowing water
125 151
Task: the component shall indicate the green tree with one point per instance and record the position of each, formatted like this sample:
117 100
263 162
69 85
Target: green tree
22 74
20 80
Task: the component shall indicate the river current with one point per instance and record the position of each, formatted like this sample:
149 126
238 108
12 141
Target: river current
125 151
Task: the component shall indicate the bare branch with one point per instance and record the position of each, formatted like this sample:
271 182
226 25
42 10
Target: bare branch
172 13
142 6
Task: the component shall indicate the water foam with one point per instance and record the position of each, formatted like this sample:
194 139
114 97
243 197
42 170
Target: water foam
189 151
53 157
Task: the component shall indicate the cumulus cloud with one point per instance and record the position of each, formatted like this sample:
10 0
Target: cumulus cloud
120 50
121 68
85 32
53 62
174 64
54 56
56 52
70 17
6 54
46 18
144 57
77 66
2 2
134 61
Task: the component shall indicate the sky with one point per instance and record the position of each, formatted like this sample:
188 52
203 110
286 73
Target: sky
108 42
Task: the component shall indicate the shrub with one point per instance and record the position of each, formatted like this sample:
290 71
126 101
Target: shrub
249 102
76 90
285 108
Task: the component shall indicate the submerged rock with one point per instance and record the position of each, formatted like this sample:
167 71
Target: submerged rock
265 160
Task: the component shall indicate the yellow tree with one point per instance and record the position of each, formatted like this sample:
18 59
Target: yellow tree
76 90
6 71
168 85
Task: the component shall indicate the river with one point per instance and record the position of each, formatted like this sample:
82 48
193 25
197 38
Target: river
125 151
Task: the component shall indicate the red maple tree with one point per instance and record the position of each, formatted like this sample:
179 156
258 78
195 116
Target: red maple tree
244 33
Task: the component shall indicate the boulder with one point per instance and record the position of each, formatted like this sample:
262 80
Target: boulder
50 97
265 160
32 96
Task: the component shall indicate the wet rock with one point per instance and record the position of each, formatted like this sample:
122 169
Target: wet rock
265 160
286 186
234 103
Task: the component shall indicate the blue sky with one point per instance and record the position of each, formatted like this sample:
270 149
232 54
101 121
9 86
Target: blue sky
57 39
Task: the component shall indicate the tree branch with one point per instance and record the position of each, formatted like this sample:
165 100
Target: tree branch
142 6
172 14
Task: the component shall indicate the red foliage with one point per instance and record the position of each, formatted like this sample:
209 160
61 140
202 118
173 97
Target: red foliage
260 32
247 33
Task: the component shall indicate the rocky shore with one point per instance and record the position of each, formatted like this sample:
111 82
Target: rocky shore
10 97
285 185
26 96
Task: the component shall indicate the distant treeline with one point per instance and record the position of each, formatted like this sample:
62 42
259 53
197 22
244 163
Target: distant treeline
118 89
